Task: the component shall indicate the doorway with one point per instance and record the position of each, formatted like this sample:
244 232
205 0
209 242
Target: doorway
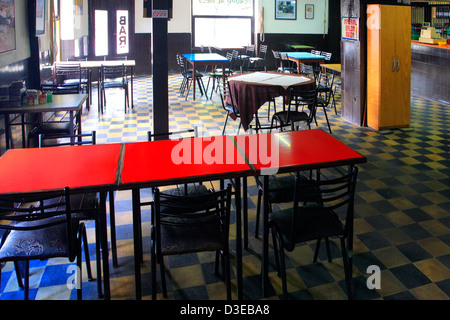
111 29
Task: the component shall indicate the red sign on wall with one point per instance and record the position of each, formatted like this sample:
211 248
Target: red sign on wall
350 28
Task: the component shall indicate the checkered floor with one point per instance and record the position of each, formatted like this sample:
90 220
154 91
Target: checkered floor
402 222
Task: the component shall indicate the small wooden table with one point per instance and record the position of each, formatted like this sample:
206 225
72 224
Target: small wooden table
204 59
72 103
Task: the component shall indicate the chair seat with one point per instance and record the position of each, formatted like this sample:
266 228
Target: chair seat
232 109
38 244
71 82
197 73
293 116
191 238
115 83
310 225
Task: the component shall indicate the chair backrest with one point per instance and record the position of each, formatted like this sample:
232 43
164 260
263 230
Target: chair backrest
226 95
213 206
330 195
234 59
316 52
69 140
325 80
67 71
37 212
263 51
61 89
188 133
181 64
276 55
250 50
327 55
113 72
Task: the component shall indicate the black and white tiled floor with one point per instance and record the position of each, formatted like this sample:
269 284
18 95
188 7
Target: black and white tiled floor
402 222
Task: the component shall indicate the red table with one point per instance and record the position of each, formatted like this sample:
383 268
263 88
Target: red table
162 163
290 152
251 90
90 168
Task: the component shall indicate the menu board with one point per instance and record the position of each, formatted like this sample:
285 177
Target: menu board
350 28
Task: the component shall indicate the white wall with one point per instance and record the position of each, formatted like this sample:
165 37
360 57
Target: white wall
180 23
301 25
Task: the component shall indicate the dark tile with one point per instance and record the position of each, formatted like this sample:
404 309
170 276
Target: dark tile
410 276
413 251
373 240
415 231
314 275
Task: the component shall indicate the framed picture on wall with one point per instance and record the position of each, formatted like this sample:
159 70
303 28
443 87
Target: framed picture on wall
7 26
40 17
309 11
285 10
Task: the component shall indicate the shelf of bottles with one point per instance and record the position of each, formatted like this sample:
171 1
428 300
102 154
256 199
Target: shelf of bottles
440 19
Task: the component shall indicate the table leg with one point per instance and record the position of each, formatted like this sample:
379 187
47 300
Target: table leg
132 100
104 245
194 79
238 238
72 131
7 131
265 220
137 241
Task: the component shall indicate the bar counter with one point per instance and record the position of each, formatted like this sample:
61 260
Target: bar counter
430 71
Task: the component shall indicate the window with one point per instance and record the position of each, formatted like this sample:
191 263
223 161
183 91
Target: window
101 32
224 24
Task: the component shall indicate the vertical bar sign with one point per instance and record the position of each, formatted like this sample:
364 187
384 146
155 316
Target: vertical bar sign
122 31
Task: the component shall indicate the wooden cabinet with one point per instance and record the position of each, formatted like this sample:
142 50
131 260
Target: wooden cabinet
388 66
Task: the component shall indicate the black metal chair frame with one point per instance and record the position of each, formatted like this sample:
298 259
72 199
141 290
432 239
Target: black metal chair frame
311 220
297 98
41 216
188 77
200 214
224 91
113 77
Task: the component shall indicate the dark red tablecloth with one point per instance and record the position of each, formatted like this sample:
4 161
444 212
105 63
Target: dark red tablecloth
249 97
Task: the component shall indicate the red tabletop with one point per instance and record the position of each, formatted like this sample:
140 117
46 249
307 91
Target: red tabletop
159 163
53 168
296 150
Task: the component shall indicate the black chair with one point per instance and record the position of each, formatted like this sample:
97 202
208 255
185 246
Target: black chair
113 77
325 93
72 74
188 77
87 203
228 103
42 228
327 55
325 84
311 220
188 225
258 61
282 62
297 98
249 52
218 73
